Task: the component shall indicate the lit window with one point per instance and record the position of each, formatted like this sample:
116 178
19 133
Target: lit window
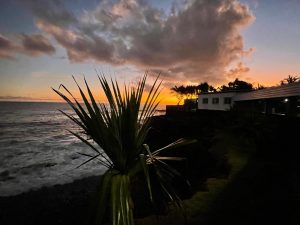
205 101
227 100
215 100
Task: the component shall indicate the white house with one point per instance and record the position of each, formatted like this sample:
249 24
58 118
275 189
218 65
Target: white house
216 101
283 100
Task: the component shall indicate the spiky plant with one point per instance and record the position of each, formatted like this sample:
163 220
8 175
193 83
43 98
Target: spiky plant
116 133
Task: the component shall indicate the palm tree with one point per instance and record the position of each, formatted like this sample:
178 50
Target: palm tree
290 79
180 92
260 87
116 135
191 91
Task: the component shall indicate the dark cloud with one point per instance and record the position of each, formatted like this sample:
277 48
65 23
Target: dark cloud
79 47
21 98
196 42
32 45
8 97
36 45
52 11
6 48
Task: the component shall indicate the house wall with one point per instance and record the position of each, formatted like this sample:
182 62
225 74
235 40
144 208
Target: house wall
220 106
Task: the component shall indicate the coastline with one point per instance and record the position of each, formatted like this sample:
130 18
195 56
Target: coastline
69 203
72 203
59 204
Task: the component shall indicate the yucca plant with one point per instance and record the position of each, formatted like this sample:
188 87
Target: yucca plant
116 133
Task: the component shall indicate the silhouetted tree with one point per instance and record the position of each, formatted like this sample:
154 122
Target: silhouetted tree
212 89
204 88
289 80
179 92
191 91
237 85
260 87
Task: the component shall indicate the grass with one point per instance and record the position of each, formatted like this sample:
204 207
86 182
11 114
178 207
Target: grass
238 152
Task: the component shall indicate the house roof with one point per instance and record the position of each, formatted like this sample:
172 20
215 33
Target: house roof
282 91
223 92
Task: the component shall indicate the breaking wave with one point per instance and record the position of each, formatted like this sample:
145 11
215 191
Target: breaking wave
36 150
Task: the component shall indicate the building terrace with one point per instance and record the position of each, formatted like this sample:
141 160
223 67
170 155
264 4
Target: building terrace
280 100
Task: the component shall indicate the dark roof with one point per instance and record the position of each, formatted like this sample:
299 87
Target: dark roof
286 90
221 92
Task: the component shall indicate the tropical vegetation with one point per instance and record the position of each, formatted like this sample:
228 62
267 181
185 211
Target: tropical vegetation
116 133
290 79
191 91
237 85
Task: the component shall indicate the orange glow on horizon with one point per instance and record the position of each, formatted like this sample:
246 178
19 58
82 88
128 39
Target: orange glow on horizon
165 98
265 78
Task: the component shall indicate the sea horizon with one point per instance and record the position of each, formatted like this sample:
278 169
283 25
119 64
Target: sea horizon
36 150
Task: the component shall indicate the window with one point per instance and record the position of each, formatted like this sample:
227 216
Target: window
215 100
205 101
227 100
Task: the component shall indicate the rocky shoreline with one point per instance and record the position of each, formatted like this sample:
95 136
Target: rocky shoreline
59 204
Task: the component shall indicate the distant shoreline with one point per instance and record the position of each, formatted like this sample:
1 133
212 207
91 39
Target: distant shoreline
30 101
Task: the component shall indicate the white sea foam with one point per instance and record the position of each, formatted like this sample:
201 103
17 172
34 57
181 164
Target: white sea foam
36 150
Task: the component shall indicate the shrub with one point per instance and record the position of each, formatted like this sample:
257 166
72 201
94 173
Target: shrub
116 133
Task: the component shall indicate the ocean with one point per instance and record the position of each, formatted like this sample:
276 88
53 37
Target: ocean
36 150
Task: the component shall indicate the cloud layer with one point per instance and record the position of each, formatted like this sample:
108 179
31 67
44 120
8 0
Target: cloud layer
237 71
32 45
6 48
196 41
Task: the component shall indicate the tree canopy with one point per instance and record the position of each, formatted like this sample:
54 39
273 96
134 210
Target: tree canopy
191 91
290 79
237 85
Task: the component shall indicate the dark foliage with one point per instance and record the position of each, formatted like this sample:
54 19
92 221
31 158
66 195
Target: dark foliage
237 85
290 79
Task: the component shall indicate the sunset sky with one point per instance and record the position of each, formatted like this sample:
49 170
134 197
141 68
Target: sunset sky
44 42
